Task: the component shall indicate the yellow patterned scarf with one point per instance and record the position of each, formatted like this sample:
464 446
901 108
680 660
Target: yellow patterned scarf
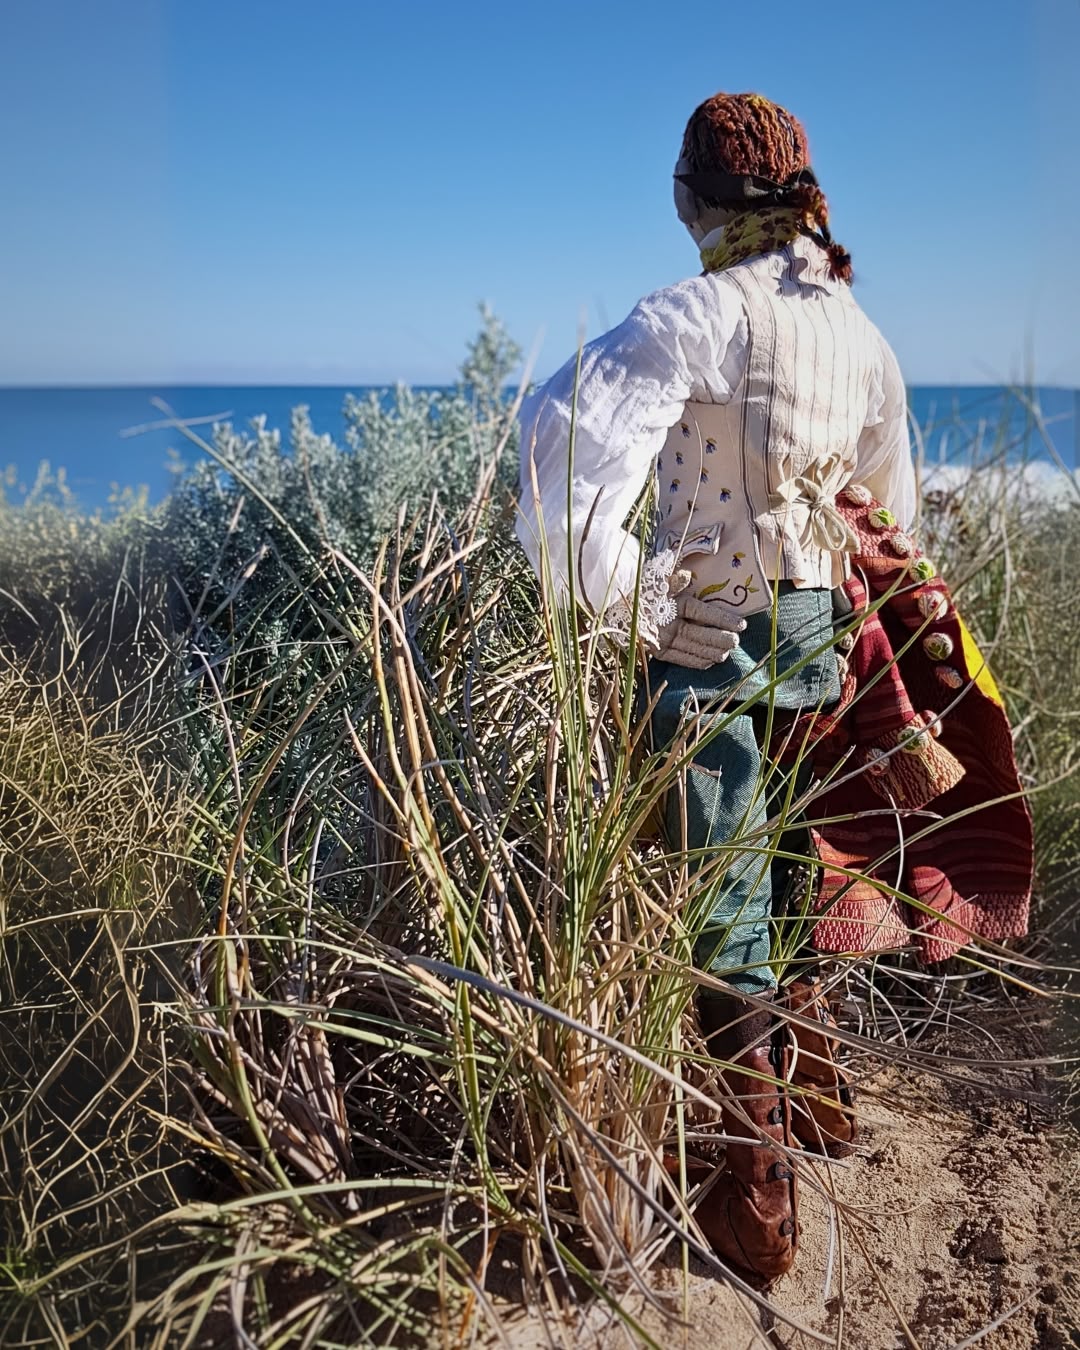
753 232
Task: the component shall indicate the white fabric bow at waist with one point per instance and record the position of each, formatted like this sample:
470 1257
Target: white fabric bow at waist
807 504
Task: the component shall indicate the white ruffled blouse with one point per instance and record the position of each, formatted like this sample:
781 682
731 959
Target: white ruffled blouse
754 395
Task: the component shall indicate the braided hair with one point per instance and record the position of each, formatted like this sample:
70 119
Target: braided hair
747 134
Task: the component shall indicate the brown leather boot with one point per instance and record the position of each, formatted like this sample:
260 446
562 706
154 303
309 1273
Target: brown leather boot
824 1122
750 1216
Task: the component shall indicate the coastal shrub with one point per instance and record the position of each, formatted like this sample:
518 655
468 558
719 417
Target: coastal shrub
252 517
254 526
60 565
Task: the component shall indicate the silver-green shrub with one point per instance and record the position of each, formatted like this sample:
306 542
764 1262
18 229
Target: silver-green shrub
254 505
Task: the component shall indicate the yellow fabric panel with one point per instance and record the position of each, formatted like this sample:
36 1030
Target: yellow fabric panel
977 667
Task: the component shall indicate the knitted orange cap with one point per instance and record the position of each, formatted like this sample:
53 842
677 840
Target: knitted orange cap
745 134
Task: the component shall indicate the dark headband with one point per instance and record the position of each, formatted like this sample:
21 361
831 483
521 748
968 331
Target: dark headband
717 185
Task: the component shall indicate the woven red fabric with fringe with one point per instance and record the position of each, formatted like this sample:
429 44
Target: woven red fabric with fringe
922 755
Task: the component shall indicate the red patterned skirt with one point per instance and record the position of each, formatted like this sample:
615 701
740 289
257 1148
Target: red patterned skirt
924 836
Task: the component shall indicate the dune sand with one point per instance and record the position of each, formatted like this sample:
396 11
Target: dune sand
963 1212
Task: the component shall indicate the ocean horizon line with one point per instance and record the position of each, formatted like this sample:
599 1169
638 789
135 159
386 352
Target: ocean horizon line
87 430
150 385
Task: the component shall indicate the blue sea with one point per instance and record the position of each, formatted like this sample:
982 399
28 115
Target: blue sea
86 431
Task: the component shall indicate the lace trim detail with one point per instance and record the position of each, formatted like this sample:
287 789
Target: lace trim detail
656 607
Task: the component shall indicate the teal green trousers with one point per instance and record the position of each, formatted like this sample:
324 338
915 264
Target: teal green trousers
725 798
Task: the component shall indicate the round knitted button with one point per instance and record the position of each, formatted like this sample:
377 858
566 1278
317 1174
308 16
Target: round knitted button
924 569
858 495
932 604
881 518
949 677
914 737
902 544
938 646
877 761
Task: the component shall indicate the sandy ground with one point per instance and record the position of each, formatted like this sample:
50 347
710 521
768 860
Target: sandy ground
961 1213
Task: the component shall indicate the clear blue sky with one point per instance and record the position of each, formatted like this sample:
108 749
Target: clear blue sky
322 190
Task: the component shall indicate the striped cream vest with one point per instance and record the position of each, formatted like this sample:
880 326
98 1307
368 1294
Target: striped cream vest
746 489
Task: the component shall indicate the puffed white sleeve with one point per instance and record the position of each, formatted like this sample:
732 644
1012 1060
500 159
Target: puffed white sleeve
884 463
631 388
